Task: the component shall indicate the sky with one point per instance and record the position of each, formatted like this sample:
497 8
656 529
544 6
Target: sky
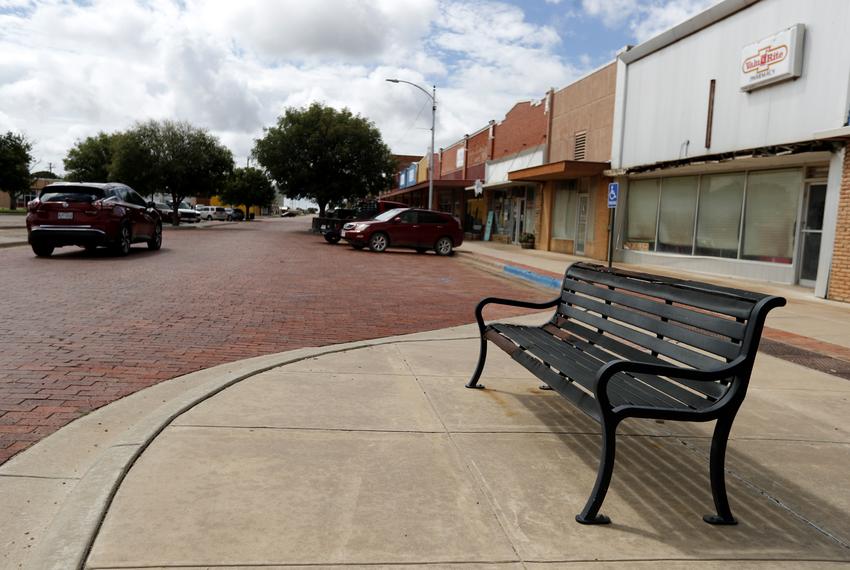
69 69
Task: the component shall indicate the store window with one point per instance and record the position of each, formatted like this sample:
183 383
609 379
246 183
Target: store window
642 211
770 217
564 212
677 211
721 197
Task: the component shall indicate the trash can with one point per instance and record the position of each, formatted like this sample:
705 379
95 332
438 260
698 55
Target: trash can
251 216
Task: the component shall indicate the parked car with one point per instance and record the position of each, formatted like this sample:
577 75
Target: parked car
187 213
90 215
331 224
211 212
406 227
236 215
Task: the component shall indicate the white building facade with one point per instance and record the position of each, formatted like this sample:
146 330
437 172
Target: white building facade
728 142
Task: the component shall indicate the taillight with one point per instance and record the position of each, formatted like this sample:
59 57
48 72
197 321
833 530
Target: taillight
101 205
33 205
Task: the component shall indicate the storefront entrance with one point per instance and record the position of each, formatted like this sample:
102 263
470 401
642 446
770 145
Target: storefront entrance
518 219
581 223
810 233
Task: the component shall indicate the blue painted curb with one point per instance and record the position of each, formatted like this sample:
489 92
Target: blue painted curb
544 280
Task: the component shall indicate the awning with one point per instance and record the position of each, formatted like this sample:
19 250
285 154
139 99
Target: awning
439 184
562 170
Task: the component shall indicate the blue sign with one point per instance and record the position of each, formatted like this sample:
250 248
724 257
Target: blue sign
613 193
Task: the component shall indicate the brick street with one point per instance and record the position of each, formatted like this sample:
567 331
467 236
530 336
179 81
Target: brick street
79 331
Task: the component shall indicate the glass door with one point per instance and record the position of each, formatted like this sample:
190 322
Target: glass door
810 233
581 223
519 217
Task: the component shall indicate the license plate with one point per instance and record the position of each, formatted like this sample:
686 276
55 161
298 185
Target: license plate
342 233
66 215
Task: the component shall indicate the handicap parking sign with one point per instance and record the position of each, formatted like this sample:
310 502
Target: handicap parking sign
613 192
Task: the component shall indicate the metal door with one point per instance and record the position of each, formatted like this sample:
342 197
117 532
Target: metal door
810 233
581 224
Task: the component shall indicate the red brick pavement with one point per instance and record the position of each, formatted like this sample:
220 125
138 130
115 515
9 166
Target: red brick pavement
79 331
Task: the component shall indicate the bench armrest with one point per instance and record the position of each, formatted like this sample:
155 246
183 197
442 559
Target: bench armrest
512 303
604 375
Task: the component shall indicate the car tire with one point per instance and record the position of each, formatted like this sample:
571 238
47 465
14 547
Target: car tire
122 247
156 241
331 238
443 246
379 242
42 249
209 218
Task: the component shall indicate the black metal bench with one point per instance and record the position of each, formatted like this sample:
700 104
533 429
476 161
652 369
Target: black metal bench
624 344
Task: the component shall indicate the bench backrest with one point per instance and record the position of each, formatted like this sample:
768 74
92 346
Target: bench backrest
650 317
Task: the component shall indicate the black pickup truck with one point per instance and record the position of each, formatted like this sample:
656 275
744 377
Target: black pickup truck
330 225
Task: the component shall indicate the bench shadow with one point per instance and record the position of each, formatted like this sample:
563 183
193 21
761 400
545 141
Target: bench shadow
665 480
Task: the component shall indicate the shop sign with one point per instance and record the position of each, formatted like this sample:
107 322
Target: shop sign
773 59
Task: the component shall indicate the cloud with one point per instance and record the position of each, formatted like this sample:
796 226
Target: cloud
645 18
69 69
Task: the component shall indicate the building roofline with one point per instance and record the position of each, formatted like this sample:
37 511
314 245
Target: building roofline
700 21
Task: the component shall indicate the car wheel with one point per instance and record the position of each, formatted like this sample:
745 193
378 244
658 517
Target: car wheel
331 238
421 249
156 241
229 218
379 242
209 218
42 249
122 248
443 246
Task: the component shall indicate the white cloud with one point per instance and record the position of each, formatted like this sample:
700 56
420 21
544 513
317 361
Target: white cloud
645 18
69 70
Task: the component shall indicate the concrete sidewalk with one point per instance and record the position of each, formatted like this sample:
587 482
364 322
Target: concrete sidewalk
374 453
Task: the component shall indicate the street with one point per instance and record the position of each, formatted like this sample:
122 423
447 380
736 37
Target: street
79 331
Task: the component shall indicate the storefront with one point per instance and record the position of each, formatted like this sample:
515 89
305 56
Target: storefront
733 164
513 204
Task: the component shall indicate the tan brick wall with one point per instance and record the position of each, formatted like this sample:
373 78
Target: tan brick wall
839 277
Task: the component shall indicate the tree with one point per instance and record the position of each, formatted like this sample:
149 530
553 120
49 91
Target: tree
171 157
15 159
249 187
325 155
90 160
44 174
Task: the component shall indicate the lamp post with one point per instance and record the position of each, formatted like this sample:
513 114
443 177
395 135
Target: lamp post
433 97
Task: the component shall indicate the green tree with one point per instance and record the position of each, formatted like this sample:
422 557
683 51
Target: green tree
325 155
171 157
90 160
249 187
15 159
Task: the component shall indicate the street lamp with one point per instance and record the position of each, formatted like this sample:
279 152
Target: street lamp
433 97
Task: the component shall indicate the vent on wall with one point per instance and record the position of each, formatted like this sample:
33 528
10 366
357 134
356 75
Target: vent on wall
580 150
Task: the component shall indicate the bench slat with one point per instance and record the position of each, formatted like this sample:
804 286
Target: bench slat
731 306
581 367
676 352
720 325
712 344
710 389
670 387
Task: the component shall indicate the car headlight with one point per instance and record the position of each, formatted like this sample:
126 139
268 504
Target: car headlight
360 227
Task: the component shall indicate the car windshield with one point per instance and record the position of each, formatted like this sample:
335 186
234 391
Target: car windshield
389 215
71 194
184 206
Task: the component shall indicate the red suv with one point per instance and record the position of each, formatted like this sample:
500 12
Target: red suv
406 227
90 215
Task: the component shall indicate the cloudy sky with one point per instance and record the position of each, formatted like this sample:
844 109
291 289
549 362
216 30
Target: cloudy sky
70 69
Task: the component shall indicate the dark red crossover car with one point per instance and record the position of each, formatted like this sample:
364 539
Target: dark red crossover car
406 227
89 215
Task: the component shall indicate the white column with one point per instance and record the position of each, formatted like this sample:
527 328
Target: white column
830 220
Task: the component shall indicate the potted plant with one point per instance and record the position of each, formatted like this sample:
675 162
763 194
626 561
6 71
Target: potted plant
526 241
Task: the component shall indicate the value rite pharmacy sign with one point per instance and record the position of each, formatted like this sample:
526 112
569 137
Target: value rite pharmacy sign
773 59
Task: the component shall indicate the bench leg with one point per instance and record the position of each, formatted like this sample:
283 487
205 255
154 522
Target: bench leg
590 514
717 471
479 368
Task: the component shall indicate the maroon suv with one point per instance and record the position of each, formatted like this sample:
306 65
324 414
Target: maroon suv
406 227
89 215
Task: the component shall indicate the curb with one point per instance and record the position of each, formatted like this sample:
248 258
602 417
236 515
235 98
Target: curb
13 243
72 531
539 277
